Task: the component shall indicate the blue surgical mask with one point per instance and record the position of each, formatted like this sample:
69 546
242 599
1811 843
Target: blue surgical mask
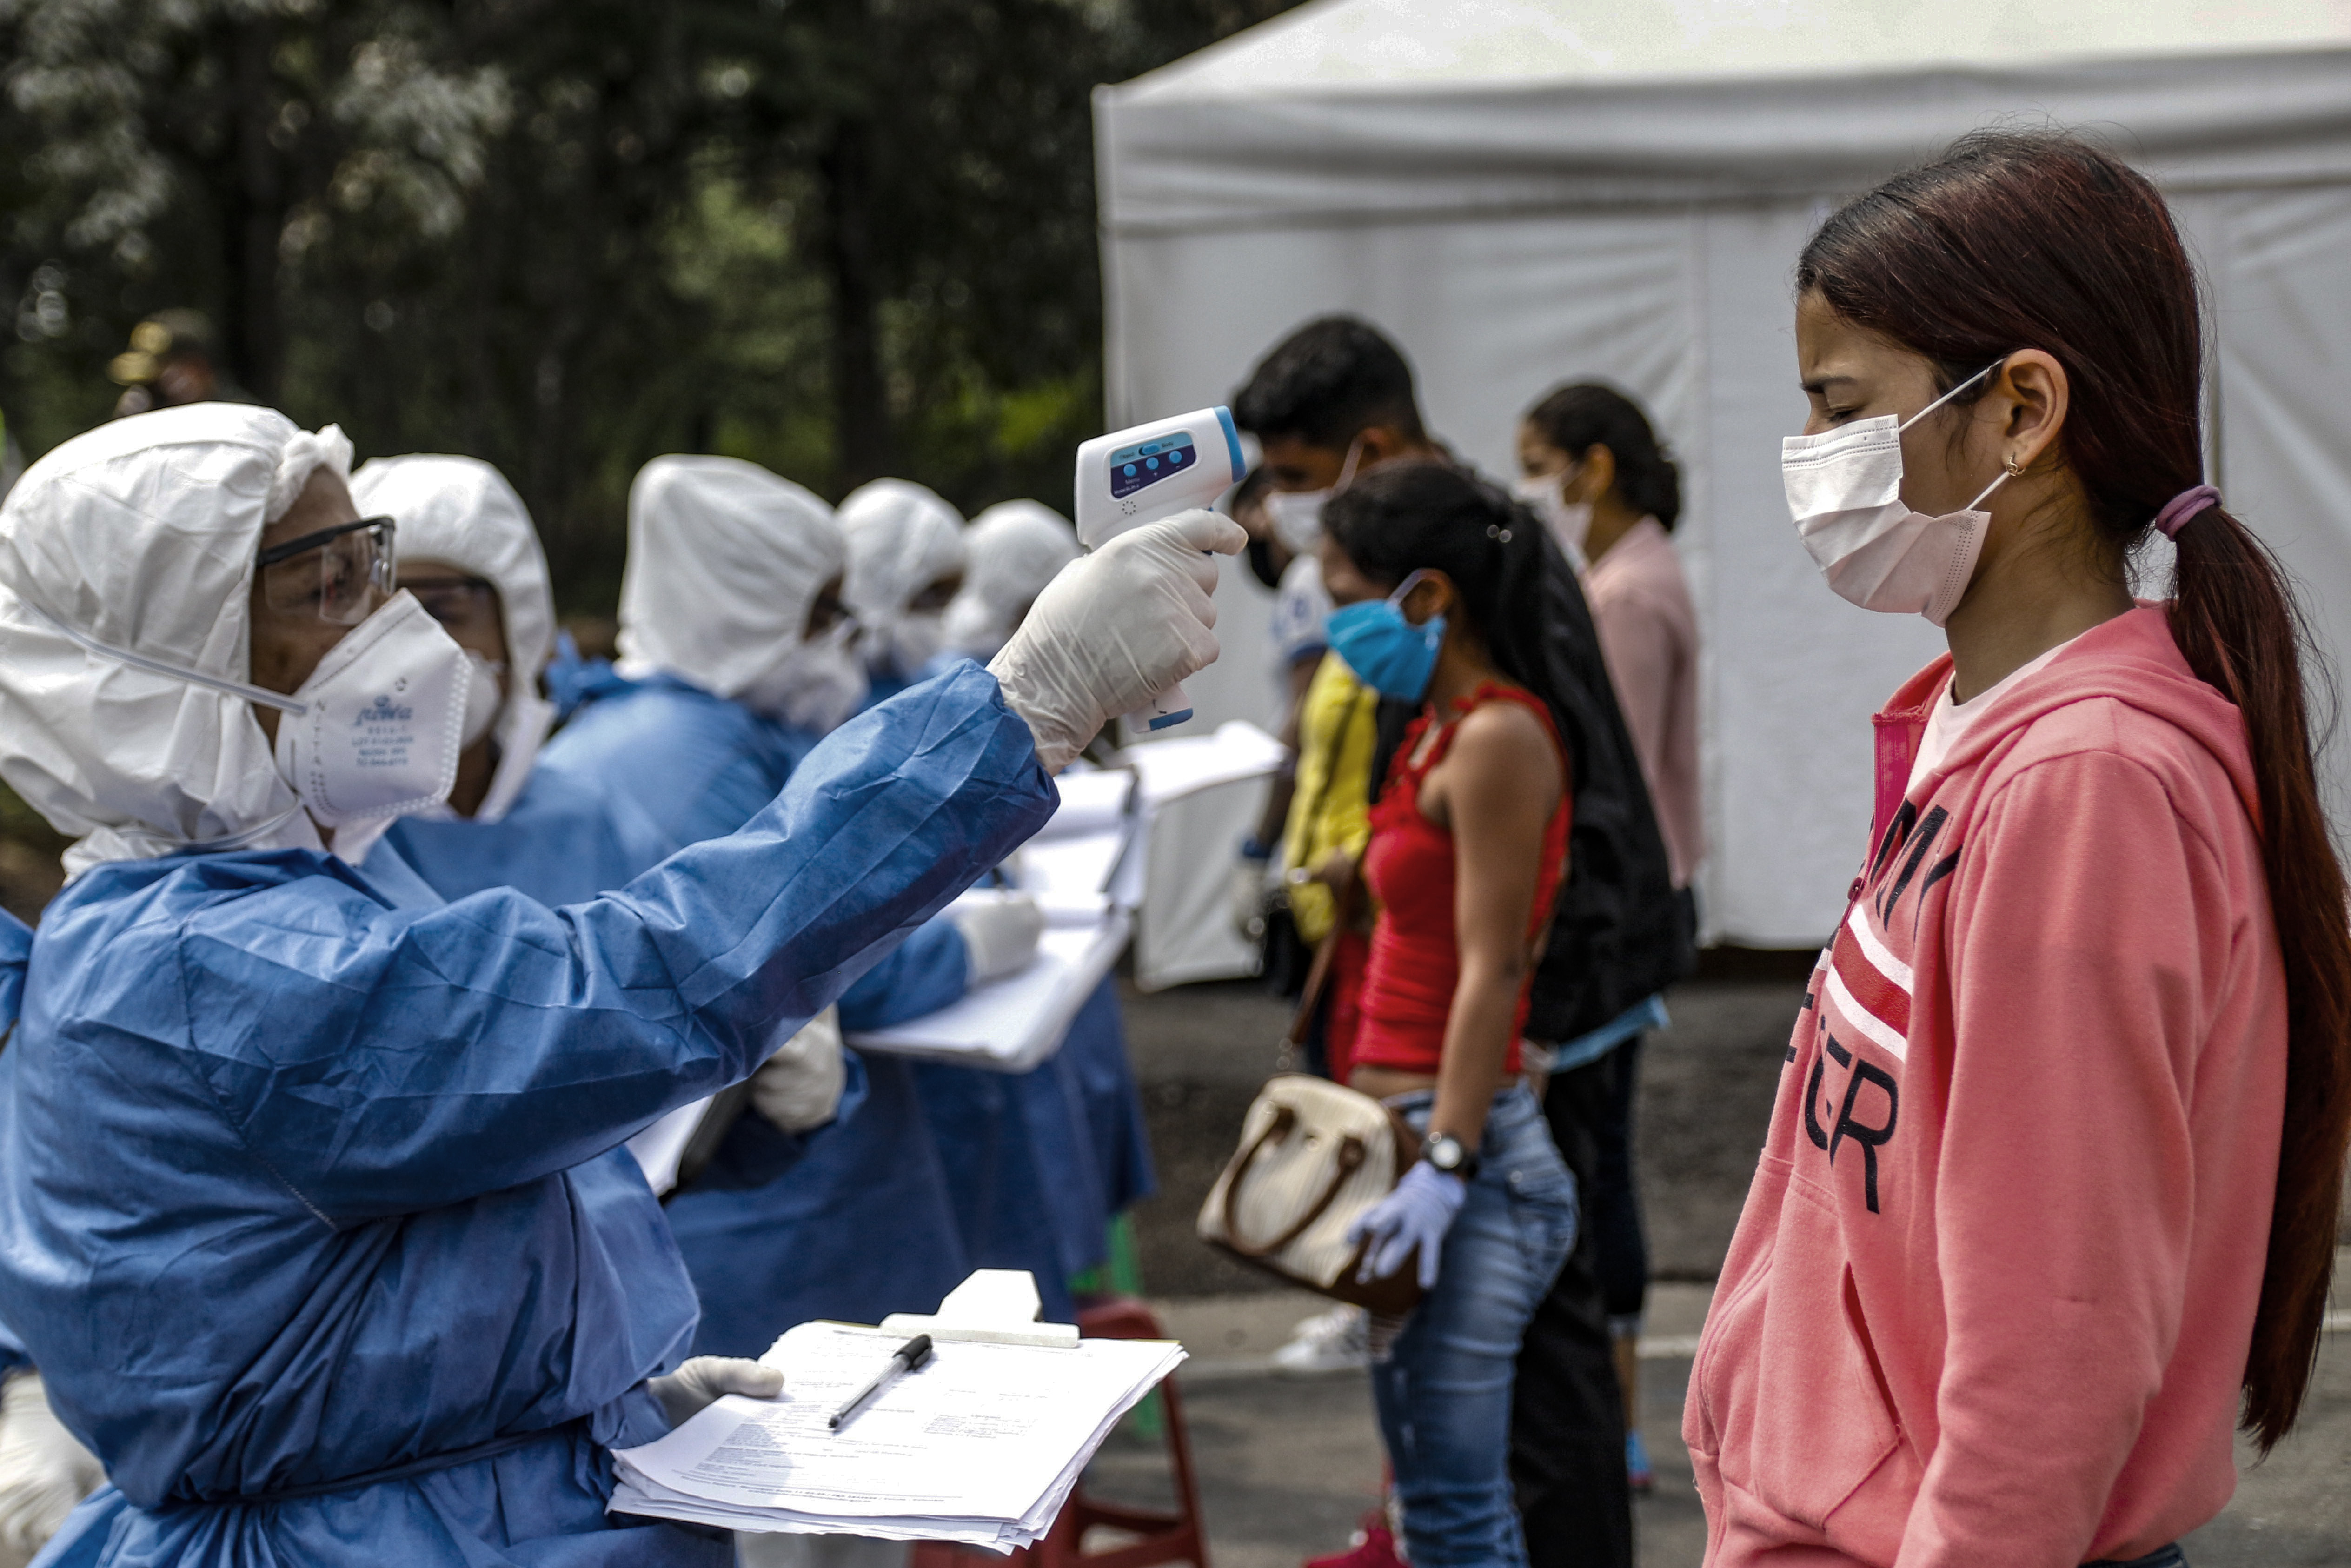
1388 652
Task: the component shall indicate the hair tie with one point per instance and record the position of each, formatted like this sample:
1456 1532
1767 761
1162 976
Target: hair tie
2184 506
1497 531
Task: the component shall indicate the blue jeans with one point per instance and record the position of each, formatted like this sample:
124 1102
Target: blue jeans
1443 1389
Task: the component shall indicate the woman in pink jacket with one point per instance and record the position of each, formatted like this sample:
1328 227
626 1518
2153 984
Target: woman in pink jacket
2048 1205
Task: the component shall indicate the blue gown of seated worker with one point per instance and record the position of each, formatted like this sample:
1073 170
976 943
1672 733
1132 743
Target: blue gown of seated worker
865 1225
343 1212
1040 1162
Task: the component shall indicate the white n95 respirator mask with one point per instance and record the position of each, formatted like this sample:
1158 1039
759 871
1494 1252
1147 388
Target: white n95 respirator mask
913 640
815 687
1845 493
377 728
484 698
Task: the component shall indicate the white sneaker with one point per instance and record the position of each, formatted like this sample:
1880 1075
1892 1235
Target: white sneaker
1335 1341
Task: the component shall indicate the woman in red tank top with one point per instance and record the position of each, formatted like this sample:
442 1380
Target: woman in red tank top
1436 578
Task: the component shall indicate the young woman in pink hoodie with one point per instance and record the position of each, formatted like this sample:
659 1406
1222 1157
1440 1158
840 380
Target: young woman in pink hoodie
2048 1205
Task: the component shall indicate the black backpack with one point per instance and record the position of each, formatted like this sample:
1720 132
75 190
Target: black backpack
1619 932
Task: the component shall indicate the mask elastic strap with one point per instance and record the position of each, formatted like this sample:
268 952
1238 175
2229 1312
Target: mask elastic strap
1950 395
169 672
1347 469
1418 576
1998 480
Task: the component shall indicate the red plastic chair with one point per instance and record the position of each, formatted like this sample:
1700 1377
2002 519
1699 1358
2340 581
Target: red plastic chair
1161 1537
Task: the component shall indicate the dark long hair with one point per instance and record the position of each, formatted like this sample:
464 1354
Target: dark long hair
1403 518
1575 419
2046 242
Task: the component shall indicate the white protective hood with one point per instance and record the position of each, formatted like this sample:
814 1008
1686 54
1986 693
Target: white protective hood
462 512
1012 552
725 560
901 538
140 535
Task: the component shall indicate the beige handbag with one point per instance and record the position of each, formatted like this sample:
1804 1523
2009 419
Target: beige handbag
1313 1155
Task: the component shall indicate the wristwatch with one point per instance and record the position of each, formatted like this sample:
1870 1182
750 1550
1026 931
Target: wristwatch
1449 1154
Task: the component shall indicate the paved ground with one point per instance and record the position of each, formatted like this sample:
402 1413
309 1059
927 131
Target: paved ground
1288 1464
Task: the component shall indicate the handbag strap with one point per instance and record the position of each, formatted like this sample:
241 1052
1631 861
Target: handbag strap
1317 974
1344 1164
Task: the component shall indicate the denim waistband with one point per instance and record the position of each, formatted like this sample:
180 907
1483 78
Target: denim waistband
1512 1103
2169 1556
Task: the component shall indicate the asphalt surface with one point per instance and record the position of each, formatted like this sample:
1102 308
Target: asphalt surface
1288 1465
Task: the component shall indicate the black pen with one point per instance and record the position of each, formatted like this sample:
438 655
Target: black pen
908 1358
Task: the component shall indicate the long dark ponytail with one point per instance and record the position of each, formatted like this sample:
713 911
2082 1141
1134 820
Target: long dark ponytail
2044 241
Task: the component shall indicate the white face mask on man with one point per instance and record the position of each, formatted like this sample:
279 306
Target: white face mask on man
1845 493
816 685
1297 515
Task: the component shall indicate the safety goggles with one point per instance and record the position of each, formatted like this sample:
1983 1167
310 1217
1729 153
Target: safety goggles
339 574
454 601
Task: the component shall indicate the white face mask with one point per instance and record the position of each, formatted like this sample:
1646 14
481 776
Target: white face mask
971 630
815 687
1844 492
1568 522
381 719
483 700
912 641
1297 515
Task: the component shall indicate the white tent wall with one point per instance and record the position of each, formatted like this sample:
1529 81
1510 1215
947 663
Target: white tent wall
1513 234
2280 269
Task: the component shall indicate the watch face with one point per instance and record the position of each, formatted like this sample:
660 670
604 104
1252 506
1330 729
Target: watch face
1445 1154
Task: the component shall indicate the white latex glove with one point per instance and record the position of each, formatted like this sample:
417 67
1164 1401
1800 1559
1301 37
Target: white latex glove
799 1087
43 1470
685 1392
1001 929
1115 628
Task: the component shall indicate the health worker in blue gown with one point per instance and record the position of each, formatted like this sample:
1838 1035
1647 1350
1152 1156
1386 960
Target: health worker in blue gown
904 567
469 555
313 1208
737 656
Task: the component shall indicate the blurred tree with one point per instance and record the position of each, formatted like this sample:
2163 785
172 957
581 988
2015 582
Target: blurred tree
841 237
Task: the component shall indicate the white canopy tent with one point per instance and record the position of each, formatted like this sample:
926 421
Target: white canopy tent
1527 191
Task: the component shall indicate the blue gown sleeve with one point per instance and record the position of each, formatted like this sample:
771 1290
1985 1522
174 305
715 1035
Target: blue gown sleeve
442 1054
931 969
15 952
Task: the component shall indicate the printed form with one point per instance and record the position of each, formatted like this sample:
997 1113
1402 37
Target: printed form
980 1445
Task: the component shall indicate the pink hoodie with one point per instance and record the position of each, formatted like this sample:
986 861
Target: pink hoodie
1991 1297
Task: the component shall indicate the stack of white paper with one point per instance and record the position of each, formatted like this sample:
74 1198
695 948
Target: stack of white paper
981 1446
1012 1024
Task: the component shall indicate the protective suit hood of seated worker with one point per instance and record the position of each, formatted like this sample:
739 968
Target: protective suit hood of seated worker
1012 552
126 559
725 560
460 512
902 539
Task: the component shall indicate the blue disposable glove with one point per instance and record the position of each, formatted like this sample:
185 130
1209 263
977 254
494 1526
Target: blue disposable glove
1417 1214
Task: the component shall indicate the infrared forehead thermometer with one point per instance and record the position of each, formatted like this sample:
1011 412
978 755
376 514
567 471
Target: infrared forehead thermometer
1139 475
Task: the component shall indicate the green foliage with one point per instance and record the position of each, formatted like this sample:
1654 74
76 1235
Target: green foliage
838 237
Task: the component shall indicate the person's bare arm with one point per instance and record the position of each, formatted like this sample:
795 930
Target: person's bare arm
1499 786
